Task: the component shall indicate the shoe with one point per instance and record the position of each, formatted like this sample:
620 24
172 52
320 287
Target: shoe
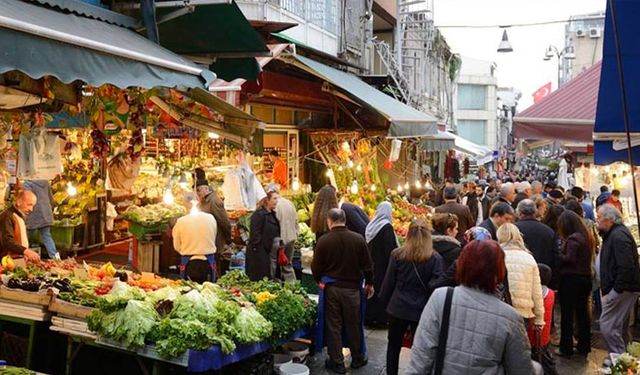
357 363
336 367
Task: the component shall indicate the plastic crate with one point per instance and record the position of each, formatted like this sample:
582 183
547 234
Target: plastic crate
63 237
142 231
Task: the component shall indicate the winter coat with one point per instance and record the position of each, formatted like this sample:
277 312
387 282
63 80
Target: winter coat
448 247
213 204
357 219
402 291
576 257
488 225
519 198
524 282
264 229
619 269
42 214
380 249
540 240
486 336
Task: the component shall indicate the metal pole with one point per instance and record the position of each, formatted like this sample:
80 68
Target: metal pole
559 69
625 112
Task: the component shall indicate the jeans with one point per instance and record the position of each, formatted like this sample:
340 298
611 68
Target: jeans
47 241
397 329
574 301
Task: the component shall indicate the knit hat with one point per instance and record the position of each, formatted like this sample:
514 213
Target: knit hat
545 274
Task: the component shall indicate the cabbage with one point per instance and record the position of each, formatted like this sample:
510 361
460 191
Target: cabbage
118 297
252 327
166 293
129 326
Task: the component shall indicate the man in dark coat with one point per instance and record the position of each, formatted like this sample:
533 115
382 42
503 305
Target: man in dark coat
506 194
451 206
357 219
539 238
341 260
212 204
619 278
500 213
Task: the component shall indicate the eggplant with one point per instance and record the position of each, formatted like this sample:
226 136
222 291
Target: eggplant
14 283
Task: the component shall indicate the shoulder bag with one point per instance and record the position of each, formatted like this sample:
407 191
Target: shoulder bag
444 333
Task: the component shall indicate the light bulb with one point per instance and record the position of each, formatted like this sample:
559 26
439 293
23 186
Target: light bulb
428 186
406 186
354 187
340 169
399 189
168 197
359 168
71 190
213 135
373 187
418 184
296 184
329 172
350 163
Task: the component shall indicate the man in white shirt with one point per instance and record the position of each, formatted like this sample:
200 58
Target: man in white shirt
288 217
194 238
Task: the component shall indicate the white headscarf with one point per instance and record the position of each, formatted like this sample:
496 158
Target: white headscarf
380 219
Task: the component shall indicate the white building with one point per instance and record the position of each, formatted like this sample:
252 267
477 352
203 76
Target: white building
586 34
475 102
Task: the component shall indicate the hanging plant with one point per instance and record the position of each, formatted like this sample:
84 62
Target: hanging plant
99 144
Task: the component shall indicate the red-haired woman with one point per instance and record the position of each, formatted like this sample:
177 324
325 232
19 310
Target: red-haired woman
485 335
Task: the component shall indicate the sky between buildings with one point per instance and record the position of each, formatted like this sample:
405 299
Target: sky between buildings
523 68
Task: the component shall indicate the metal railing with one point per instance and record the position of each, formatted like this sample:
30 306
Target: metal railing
322 13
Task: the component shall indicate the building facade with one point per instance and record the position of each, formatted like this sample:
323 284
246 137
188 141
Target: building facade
475 102
586 34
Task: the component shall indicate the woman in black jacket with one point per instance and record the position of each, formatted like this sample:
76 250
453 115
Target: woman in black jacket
405 287
575 283
381 240
445 230
265 229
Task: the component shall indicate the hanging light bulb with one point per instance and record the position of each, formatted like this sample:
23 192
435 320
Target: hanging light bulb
354 187
350 163
418 185
213 135
329 172
406 186
373 187
183 181
399 189
340 169
359 168
71 190
168 197
296 184
428 185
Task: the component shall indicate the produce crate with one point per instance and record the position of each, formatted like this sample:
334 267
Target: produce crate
69 309
42 298
142 231
63 237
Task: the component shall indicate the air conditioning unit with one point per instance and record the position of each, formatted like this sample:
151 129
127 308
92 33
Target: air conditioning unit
580 33
594 33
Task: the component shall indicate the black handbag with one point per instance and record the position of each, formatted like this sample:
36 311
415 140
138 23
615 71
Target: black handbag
444 332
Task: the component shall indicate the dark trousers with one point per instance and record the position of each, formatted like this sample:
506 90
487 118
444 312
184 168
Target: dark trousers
342 310
395 335
574 300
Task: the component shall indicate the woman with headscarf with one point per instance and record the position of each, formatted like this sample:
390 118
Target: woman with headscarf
381 240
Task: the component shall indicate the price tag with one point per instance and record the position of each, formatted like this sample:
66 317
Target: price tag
81 273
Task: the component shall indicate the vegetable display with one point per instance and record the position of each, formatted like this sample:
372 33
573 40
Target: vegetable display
153 214
305 236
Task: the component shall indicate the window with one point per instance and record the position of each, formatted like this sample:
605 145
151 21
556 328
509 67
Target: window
473 130
472 97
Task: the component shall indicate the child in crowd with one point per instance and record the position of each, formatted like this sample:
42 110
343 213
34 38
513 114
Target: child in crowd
540 345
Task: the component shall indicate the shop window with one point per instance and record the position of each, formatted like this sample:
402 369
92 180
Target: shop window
473 97
284 117
473 130
263 113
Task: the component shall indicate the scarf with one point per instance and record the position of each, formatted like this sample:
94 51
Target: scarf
380 219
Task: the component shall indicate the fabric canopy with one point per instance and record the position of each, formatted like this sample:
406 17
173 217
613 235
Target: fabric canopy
566 114
609 129
39 41
406 122
443 141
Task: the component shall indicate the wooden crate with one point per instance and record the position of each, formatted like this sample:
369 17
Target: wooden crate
149 256
42 298
71 324
69 309
24 311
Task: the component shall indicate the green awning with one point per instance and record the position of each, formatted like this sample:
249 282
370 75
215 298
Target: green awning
39 41
217 31
405 121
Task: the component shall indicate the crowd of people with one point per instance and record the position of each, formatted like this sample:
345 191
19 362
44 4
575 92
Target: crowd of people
476 288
